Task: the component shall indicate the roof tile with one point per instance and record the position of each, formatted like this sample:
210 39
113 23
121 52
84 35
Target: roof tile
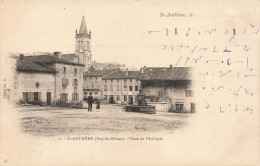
157 73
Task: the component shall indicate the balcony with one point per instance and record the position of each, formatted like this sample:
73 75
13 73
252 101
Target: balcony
65 82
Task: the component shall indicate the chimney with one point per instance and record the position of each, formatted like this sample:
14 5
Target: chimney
126 72
21 56
170 67
57 54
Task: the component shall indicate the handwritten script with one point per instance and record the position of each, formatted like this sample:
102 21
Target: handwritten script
225 59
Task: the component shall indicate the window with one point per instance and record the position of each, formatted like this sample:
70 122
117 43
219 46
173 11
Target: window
189 93
131 80
85 78
117 88
124 80
130 88
75 82
117 80
96 78
64 70
90 78
125 88
105 97
105 87
117 98
111 80
64 97
125 98
25 96
30 96
136 88
95 93
75 96
105 81
111 88
96 85
75 71
179 107
37 96
65 82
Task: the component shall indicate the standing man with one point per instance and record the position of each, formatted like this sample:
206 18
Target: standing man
90 101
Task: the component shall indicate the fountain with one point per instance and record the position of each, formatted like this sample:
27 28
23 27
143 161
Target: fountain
141 106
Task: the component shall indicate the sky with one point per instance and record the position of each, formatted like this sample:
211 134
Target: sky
119 30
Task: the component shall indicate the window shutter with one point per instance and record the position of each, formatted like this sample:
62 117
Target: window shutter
30 96
40 96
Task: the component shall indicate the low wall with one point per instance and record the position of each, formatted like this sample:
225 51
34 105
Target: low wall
160 106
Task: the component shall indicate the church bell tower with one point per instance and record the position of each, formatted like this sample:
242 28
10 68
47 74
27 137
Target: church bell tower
83 45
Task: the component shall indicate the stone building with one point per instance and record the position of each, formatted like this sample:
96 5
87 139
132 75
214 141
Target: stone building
82 48
168 85
93 83
121 87
49 80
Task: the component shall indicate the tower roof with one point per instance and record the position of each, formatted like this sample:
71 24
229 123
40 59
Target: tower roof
83 27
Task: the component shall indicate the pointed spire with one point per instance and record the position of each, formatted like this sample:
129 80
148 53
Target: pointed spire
83 27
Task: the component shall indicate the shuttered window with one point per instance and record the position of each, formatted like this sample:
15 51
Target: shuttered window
64 97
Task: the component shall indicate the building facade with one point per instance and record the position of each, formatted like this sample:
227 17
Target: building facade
172 85
121 87
93 83
9 80
49 80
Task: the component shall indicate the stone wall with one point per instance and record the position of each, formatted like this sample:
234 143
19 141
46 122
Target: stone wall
36 82
71 87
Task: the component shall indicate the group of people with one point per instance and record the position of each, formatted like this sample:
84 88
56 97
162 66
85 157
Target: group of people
91 101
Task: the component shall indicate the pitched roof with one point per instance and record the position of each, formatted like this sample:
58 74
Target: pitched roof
68 57
97 73
41 63
106 65
123 75
163 73
27 65
83 27
49 59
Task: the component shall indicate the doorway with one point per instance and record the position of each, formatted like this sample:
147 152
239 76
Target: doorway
192 107
111 99
131 100
48 96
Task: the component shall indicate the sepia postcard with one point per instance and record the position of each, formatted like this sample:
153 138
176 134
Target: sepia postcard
135 82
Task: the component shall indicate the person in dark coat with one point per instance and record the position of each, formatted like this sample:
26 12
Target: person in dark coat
90 101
